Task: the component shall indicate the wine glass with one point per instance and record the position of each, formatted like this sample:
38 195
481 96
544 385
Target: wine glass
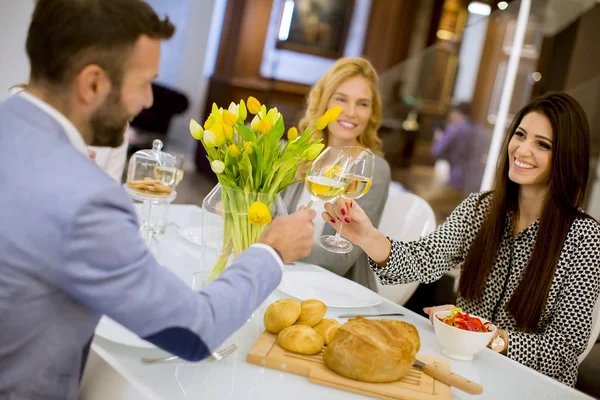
325 179
359 177
171 174
179 161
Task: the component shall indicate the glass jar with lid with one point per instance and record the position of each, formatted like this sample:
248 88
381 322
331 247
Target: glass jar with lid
152 174
151 179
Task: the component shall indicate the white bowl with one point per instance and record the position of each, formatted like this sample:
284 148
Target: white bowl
458 343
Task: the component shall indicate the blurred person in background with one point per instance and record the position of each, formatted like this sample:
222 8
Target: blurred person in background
352 84
464 145
70 248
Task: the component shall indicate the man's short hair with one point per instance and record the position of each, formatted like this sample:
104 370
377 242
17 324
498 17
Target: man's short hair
66 35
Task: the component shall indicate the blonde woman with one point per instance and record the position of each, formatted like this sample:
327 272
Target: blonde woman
352 84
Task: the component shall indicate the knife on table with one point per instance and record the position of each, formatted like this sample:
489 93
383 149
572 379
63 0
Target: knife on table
370 315
449 378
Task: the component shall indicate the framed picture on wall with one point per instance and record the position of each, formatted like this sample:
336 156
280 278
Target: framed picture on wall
317 27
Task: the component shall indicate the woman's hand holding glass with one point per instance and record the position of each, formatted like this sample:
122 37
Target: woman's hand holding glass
357 225
358 228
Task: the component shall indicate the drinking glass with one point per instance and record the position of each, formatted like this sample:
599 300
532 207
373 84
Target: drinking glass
202 279
325 179
358 177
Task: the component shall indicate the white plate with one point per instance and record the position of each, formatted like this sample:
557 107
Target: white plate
331 289
194 235
115 332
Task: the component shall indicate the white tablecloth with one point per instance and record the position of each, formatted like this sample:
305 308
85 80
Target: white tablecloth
114 371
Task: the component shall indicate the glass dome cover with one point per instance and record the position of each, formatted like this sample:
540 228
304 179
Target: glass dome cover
152 173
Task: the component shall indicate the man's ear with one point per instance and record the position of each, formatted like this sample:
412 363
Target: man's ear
92 85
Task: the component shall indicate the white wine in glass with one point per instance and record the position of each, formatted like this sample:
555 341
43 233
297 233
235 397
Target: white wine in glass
326 178
359 176
357 187
324 188
168 175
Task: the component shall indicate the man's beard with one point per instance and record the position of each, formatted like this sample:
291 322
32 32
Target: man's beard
109 122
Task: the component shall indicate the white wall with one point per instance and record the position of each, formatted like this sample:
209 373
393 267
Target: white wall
14 65
469 57
188 59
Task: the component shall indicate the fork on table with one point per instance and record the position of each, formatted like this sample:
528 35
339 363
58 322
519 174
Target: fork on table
218 355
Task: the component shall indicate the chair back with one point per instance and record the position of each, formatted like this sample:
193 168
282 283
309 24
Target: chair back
406 217
595 331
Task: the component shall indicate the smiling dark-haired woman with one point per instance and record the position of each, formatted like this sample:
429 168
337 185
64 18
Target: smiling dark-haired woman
530 257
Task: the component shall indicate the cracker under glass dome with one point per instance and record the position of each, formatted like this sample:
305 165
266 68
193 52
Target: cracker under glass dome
152 176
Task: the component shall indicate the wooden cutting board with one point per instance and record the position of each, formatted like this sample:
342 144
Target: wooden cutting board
416 385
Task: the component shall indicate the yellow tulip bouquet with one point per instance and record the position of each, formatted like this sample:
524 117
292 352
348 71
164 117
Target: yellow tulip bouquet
255 163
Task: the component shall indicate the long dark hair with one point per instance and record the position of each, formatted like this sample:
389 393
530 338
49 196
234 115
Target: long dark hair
568 181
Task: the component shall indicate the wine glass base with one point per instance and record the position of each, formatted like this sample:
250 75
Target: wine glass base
335 244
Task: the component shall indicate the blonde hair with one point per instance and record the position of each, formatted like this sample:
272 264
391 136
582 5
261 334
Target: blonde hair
322 91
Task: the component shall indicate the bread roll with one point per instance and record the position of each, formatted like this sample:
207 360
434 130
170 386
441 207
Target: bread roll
327 328
300 339
373 350
312 312
281 314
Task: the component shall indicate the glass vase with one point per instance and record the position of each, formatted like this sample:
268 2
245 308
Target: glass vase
226 230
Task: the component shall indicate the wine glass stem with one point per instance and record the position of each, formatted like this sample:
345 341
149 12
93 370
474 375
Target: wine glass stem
338 234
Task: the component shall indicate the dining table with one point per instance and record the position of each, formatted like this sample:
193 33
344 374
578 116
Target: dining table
115 371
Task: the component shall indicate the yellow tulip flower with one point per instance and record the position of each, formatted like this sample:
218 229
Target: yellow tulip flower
233 150
218 131
263 111
253 105
332 114
254 123
217 166
210 139
233 108
264 126
259 213
228 132
196 130
229 118
273 116
248 147
292 134
321 123
242 112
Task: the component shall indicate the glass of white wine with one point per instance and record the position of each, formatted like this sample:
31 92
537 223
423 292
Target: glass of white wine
359 177
168 175
325 179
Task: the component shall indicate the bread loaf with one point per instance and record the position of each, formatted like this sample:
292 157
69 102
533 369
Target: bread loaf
373 350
